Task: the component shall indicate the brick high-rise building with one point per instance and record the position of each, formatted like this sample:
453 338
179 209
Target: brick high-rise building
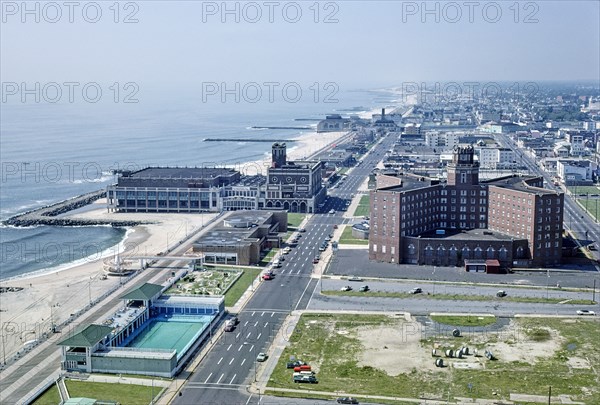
511 219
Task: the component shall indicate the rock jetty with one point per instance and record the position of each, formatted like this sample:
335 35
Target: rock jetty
48 215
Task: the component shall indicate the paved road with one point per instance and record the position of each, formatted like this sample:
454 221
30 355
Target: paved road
348 262
583 226
223 375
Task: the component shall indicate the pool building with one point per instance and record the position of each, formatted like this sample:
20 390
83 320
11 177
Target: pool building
152 334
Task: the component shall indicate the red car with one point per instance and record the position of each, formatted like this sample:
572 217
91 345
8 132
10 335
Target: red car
267 276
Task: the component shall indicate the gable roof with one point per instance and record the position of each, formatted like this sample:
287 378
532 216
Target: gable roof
87 337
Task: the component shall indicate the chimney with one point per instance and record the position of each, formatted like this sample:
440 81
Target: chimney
382 114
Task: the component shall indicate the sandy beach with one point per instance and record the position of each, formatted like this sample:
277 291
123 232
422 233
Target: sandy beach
50 299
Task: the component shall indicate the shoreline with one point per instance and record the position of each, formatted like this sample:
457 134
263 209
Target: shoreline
51 296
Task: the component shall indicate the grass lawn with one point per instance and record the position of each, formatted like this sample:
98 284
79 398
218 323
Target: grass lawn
330 343
295 219
363 207
454 297
49 397
465 320
265 260
591 205
348 239
123 393
584 190
237 289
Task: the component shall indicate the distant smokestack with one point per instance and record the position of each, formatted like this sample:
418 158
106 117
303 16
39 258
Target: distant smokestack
383 113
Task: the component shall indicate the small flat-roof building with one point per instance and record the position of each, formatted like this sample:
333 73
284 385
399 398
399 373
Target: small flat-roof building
240 237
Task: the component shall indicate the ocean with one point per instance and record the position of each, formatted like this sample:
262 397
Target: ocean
51 152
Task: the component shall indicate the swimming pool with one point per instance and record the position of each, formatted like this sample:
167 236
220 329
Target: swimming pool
171 333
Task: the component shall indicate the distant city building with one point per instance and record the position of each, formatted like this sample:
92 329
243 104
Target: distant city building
497 158
415 219
576 172
333 123
444 140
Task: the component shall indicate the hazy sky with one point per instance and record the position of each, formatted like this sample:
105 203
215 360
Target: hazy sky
371 44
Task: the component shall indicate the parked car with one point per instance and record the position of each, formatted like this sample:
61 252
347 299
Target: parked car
301 230
501 293
416 290
235 320
346 288
355 278
322 248
293 364
311 379
229 326
364 288
261 357
332 211
335 227
585 312
315 260
267 276
347 400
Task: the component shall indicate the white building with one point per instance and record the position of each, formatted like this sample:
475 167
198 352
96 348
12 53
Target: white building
496 158
445 140
575 171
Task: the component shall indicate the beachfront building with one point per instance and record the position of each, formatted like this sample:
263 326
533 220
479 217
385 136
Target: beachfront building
241 236
333 123
152 334
295 186
419 220
171 189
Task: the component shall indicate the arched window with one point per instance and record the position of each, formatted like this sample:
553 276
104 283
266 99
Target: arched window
411 249
503 253
429 251
491 253
478 253
520 252
441 251
466 252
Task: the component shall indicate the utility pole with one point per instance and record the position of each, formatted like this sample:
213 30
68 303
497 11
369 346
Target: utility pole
594 292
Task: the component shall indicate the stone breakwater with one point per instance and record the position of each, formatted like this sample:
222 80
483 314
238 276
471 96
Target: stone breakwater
48 215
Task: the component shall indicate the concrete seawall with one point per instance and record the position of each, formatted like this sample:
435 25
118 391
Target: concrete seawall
48 215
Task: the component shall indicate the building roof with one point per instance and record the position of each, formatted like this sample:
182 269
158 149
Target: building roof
142 292
181 172
87 337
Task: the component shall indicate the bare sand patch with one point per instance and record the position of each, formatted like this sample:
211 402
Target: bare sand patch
388 349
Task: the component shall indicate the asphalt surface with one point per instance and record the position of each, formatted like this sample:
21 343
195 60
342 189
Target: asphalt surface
349 262
224 374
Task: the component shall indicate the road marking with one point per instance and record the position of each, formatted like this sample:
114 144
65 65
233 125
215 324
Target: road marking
210 375
249 333
303 292
256 324
247 321
263 313
232 378
238 335
253 313
243 361
249 398
220 360
229 347
231 361
220 378
258 337
272 313
266 323
252 348
240 348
